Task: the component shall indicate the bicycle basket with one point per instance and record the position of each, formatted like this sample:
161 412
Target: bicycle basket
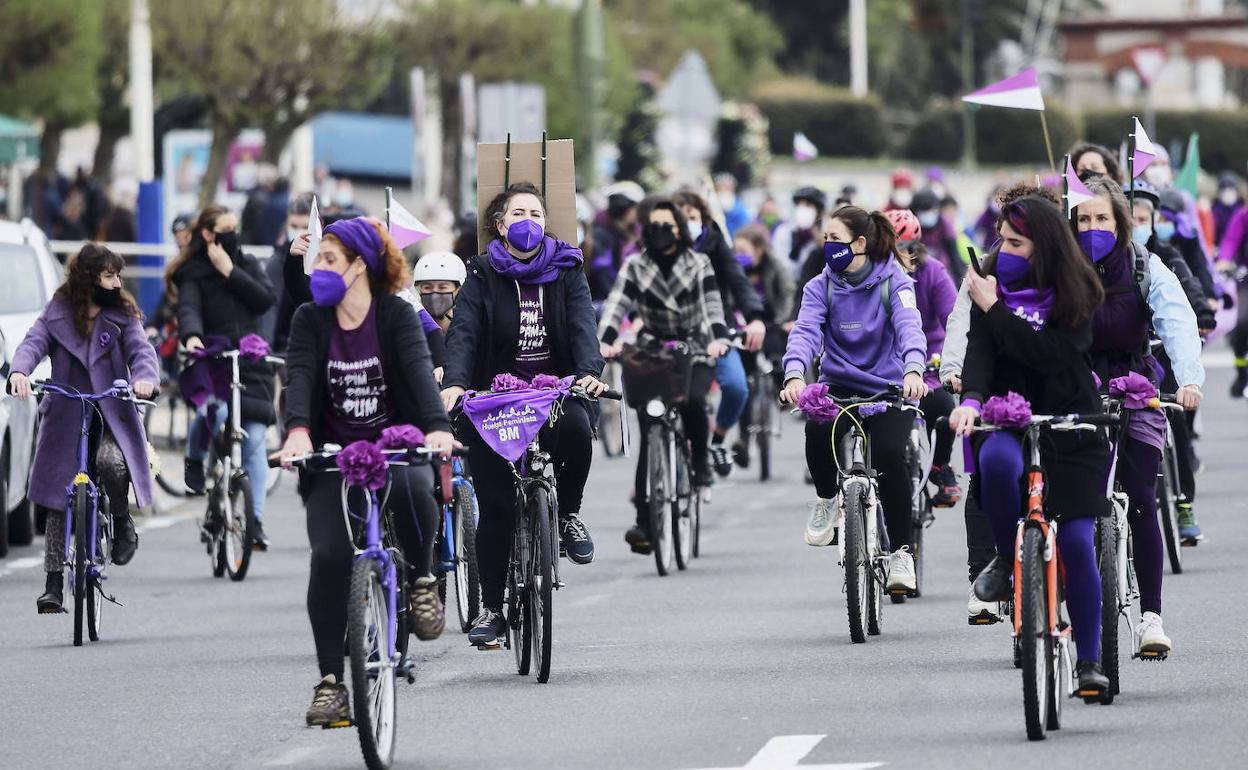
655 373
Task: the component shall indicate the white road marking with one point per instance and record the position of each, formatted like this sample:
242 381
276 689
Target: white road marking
21 564
785 751
164 522
156 522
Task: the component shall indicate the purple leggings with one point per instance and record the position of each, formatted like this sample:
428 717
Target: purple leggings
1000 490
1137 473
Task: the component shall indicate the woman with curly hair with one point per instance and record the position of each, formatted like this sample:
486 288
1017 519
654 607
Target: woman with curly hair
92 330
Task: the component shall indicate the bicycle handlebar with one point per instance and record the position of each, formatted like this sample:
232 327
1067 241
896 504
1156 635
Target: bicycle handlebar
1051 421
121 391
327 454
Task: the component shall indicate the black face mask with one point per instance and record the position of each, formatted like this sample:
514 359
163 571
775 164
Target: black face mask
228 241
659 240
1088 174
105 297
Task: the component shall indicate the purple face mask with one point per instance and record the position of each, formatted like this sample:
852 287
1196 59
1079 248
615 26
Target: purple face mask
525 234
1012 269
745 260
328 287
1097 244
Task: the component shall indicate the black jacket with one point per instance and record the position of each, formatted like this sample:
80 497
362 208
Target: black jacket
405 363
735 290
485 332
294 291
1194 256
211 305
1050 369
1196 296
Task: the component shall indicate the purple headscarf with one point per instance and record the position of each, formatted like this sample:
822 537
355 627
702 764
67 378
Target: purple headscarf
359 235
545 265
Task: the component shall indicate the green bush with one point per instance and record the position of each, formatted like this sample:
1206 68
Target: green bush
839 123
1002 136
1223 133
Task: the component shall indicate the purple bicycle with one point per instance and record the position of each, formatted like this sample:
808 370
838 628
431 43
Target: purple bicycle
88 525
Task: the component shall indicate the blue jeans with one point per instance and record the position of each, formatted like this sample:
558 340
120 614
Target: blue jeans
255 462
733 390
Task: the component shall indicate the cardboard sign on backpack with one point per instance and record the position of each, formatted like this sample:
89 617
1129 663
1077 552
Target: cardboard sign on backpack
495 172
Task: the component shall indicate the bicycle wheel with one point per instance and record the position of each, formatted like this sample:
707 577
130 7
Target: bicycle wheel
695 524
762 428
1035 642
81 509
917 550
467 578
876 580
1168 510
518 617
857 563
1107 558
239 527
541 611
372 671
660 515
104 551
682 505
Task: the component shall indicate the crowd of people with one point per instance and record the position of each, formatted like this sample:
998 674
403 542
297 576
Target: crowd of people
857 299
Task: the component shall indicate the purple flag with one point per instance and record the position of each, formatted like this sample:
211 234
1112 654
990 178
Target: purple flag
510 421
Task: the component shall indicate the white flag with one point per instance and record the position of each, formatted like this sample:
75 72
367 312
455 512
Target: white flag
314 243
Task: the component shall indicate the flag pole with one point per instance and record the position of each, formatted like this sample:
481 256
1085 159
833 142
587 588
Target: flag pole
1131 162
389 197
1048 143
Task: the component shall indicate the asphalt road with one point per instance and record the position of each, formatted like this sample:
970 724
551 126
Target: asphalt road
702 669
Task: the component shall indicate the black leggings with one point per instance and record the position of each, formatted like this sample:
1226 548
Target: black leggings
410 492
1239 335
939 403
980 547
888 434
571 445
693 417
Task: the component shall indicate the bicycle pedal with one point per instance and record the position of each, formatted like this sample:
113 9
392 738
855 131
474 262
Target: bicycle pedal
984 618
488 647
1153 655
1191 542
336 725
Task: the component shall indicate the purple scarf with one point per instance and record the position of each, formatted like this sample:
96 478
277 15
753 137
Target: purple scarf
544 267
1030 304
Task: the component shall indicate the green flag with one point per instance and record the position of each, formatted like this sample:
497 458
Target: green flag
1190 175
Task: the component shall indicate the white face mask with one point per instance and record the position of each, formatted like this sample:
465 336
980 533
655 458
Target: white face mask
727 200
1229 196
1160 177
292 233
695 230
902 198
928 219
580 234
804 216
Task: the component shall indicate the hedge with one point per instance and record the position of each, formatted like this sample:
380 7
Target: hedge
1223 133
839 123
1002 136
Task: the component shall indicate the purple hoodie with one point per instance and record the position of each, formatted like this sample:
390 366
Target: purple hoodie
863 348
936 294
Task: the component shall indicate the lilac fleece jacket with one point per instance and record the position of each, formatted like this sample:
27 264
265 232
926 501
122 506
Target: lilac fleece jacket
1231 249
864 346
936 294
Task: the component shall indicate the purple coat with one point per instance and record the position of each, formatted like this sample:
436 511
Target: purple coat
117 349
936 294
864 345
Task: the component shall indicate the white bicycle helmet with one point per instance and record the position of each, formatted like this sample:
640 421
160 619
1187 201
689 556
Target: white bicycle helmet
440 266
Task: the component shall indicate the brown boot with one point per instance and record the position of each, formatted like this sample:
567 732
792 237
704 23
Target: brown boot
428 616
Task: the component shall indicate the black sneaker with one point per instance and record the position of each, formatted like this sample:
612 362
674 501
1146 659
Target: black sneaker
574 536
259 540
331 705
1093 684
125 540
638 539
947 490
993 584
1240 383
487 628
193 477
720 460
741 454
53 594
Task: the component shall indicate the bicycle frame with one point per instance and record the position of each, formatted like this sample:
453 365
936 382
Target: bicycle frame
446 553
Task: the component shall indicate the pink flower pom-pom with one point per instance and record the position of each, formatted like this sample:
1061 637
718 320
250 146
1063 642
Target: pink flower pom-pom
546 382
504 383
1008 411
816 404
253 346
401 437
363 465
1134 389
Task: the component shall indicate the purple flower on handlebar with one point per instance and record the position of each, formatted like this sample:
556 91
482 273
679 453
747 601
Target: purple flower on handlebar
1008 411
872 409
401 437
1134 389
507 382
253 346
363 465
546 382
816 404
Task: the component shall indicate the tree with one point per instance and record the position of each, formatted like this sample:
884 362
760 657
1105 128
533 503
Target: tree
112 76
48 55
266 63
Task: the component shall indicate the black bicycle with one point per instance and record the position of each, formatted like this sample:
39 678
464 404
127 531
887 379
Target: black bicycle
760 426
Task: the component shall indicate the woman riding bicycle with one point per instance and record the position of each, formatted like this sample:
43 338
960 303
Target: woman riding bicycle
866 346
358 363
672 290
93 332
1121 346
222 293
1030 331
523 310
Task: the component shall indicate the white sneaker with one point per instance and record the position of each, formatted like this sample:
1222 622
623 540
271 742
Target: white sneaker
824 520
901 571
1152 637
980 612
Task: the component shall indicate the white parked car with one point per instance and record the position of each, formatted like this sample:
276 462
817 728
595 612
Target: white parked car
29 275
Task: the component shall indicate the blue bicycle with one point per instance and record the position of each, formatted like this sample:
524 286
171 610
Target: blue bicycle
88 525
377 623
457 539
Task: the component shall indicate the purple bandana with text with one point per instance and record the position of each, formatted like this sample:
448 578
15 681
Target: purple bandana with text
510 421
